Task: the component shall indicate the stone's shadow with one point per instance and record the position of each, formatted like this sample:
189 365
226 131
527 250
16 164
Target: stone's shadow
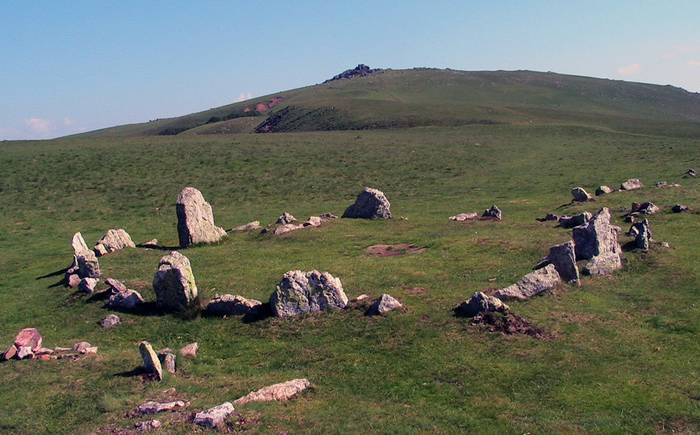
56 273
263 312
61 283
159 247
98 296
137 371
146 309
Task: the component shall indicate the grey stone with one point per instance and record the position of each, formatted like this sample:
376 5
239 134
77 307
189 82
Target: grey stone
113 240
370 204
285 218
307 292
597 241
126 300
603 190
85 258
480 303
384 304
174 283
250 226
151 363
195 219
575 220
214 417
230 305
631 184
462 217
530 285
110 321
277 392
87 285
563 258
493 213
580 194
153 407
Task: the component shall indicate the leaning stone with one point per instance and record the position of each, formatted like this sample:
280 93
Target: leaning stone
285 218
603 190
277 392
493 213
480 303
580 194
230 305
167 360
679 208
307 292
151 363
631 184
532 284
87 285
195 219
251 226
127 300
85 258
151 244
370 204
462 217
383 305
549 217
597 241
575 220
113 240
110 321
28 337
189 350
153 407
73 280
563 258
174 283
214 417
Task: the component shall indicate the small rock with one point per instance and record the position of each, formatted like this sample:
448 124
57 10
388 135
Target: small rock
631 184
462 217
603 190
151 363
189 350
642 235
195 219
87 285
665 245
480 303
214 417
146 426
277 392
383 305
307 292
73 280
575 220
532 284
114 240
110 321
250 226
167 360
679 208
174 283
84 348
151 244
153 407
127 300
230 305
285 218
370 204
28 337
493 213
313 221
691 173
580 194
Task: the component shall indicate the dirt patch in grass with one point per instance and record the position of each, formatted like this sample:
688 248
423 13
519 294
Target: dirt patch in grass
394 250
509 324
415 291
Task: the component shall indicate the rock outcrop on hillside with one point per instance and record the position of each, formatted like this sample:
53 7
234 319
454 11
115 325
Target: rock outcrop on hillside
360 70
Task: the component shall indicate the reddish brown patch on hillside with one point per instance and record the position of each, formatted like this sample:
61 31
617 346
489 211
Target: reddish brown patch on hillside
394 250
262 106
416 291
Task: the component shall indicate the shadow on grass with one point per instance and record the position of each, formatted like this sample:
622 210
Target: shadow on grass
55 273
137 371
263 312
159 247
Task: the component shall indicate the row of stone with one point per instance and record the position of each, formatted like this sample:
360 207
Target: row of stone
28 345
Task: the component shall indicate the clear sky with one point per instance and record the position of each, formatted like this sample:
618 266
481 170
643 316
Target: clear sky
70 66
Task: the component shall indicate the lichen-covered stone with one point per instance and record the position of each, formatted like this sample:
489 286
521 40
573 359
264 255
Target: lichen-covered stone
307 292
370 204
151 363
174 283
597 241
532 284
113 240
195 219
277 392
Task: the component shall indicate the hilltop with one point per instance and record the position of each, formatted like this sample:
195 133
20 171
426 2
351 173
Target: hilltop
363 98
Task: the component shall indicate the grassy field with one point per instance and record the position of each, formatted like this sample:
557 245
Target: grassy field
625 352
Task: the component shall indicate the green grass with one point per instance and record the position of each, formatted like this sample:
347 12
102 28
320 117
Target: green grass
624 357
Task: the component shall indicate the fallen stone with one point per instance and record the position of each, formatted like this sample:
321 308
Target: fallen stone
644 208
603 190
679 208
307 292
113 240
394 250
195 219
313 221
277 392
532 284
189 350
214 417
151 363
126 300
84 258
580 194
285 218
87 285
115 286
230 305
151 244
548 217
174 283
493 213
148 425
73 280
631 184
575 220
370 204
597 241
24 352
286 228
250 226
167 360
480 303
84 348
153 407
384 304
462 217
110 321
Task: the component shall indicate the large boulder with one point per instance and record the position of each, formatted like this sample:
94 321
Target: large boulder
631 184
580 194
230 305
480 303
85 259
277 392
307 292
195 219
563 258
370 204
151 363
532 284
113 240
174 283
597 241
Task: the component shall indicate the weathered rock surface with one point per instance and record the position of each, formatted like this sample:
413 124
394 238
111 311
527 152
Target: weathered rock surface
307 292
532 284
27 342
493 213
153 407
167 360
87 285
580 194
563 258
189 350
480 303
597 241
84 348
110 321
603 190
644 208
230 305
641 232
151 363
462 217
195 219
84 258
277 392
250 226
313 221
151 244
285 218
214 417
575 220
73 280
174 283
679 208
147 426
126 300
383 304
113 240
631 184
370 204
115 286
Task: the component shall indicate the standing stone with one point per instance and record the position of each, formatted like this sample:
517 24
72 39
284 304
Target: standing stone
370 204
480 303
150 360
285 218
531 284
383 305
195 219
307 292
642 235
85 258
113 240
493 213
603 190
167 360
631 184
563 257
463 217
174 283
250 226
597 241
580 194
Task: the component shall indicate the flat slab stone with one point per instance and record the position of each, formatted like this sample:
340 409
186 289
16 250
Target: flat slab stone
277 392
530 285
214 417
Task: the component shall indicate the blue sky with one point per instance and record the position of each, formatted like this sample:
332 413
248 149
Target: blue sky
70 66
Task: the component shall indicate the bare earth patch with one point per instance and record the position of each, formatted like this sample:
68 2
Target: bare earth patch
416 291
394 250
509 324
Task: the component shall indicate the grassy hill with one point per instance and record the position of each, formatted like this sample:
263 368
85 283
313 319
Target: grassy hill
431 97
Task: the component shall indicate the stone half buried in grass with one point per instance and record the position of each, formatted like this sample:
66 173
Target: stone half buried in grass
85 259
532 284
508 323
231 305
307 292
383 305
480 303
631 184
214 417
277 392
113 240
174 283
370 204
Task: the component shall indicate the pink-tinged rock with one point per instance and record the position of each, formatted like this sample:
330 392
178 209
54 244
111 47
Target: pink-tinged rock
84 348
87 285
463 217
190 350
115 286
28 337
214 417
277 392
313 221
73 280
25 352
152 407
147 426
10 353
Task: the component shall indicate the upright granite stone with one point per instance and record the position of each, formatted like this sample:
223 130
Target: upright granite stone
370 204
307 292
532 284
84 258
563 258
174 283
597 241
642 235
113 240
151 363
195 219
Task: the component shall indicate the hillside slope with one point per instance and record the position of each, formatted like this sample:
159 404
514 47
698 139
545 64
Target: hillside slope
431 97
